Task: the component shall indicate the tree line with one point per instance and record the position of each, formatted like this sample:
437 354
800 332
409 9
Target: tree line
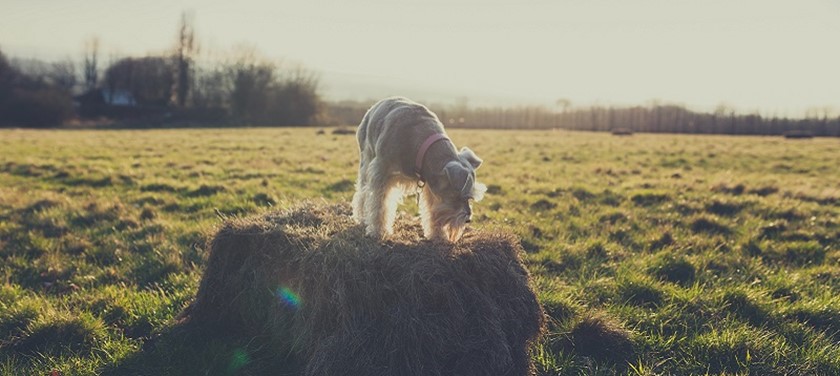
654 118
183 85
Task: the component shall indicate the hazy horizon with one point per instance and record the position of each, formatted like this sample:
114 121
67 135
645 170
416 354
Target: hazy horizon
770 56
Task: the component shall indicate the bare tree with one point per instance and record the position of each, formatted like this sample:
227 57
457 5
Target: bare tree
211 87
8 75
36 71
294 98
564 104
186 50
60 74
63 75
251 78
111 81
91 57
147 79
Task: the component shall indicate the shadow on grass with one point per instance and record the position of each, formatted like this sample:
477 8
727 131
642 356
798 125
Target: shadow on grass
202 349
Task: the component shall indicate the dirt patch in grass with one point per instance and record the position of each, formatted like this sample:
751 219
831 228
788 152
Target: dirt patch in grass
158 187
709 226
724 208
206 190
764 191
602 338
264 199
93 182
662 241
640 292
732 189
745 306
343 185
649 198
543 205
674 269
799 253
494 189
148 214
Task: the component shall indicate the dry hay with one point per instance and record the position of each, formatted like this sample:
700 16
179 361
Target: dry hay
343 304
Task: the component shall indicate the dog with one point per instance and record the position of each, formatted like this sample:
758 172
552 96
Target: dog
403 147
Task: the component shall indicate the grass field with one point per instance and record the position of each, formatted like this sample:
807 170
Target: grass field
652 254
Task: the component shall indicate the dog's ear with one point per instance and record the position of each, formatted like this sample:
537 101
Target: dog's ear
457 174
462 180
468 155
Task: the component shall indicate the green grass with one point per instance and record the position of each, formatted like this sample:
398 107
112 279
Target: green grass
652 254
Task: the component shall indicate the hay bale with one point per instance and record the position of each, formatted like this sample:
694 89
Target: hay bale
343 304
344 131
621 132
798 134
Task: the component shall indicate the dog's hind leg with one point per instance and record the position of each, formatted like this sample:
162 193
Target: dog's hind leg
393 198
360 196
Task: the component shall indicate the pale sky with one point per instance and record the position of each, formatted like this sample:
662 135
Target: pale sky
774 56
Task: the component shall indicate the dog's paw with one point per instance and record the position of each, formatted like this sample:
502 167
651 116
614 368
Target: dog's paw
436 236
374 233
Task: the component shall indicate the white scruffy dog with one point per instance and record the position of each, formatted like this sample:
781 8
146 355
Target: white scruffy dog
402 146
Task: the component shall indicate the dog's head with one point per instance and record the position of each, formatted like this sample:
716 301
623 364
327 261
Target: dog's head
455 187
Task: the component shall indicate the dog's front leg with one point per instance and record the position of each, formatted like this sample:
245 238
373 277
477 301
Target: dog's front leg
378 220
427 221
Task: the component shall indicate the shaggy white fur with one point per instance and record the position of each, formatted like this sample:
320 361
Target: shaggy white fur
390 136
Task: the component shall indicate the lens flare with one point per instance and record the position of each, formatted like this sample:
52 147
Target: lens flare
238 359
288 297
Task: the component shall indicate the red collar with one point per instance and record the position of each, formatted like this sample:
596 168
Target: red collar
418 162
